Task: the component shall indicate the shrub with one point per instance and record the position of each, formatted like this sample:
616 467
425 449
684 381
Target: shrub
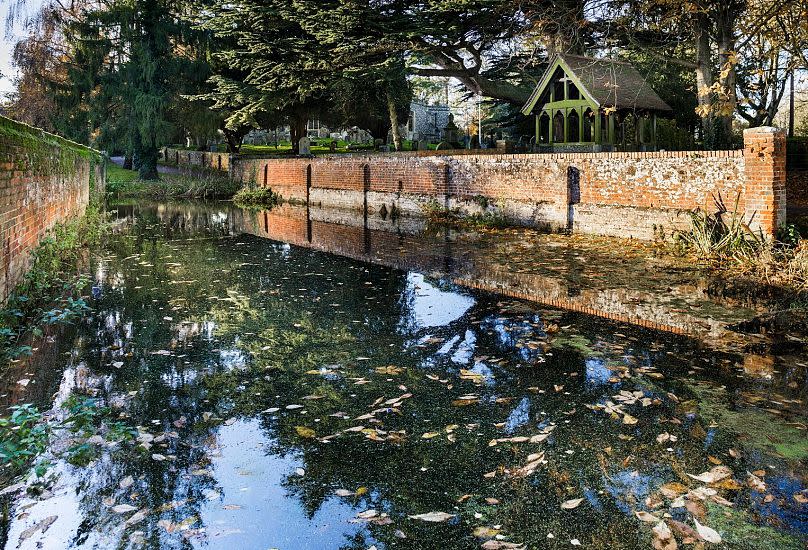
256 197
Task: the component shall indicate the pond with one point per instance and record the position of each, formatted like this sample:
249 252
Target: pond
305 380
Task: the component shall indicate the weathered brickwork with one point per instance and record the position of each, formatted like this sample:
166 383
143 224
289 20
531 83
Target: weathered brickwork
765 156
640 195
44 180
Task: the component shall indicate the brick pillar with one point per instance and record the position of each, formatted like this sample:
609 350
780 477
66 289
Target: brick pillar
764 157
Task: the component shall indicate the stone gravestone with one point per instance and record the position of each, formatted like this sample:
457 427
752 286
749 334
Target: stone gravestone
304 146
423 145
475 142
333 146
451 131
414 146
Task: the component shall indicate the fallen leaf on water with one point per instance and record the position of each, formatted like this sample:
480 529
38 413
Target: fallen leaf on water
714 475
570 504
465 402
430 435
158 457
485 532
800 497
123 508
673 489
137 518
41 526
629 420
126 482
707 533
647 517
502 545
305 432
435 517
663 537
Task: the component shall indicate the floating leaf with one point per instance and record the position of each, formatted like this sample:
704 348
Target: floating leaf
714 475
430 435
571 504
305 432
663 537
485 532
707 533
123 508
435 517
646 517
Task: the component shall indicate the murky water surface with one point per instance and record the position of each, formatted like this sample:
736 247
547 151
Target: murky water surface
267 395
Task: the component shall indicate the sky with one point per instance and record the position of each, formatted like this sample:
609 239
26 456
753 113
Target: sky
8 37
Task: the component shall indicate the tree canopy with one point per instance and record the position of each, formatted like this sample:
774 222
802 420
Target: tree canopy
131 75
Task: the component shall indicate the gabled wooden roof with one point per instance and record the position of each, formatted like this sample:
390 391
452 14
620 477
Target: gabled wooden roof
606 82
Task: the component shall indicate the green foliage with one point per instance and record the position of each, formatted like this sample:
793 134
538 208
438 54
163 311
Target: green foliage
256 197
23 435
438 215
50 291
201 184
720 236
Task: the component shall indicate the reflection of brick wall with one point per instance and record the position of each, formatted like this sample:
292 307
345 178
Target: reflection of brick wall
44 180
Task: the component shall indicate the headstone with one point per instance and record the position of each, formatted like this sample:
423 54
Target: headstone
332 146
304 146
377 143
451 132
475 142
423 145
504 146
414 145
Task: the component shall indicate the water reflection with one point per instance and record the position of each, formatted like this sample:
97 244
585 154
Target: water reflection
278 396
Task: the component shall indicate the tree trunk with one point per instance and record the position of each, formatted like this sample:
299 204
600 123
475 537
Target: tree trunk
297 130
391 109
234 140
704 79
148 163
727 76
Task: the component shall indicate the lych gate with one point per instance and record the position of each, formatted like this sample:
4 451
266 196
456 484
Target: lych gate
588 104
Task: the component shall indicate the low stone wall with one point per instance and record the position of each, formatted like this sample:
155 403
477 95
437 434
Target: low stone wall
204 159
640 195
44 180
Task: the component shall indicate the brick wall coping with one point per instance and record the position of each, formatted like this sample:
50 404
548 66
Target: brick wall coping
471 154
33 131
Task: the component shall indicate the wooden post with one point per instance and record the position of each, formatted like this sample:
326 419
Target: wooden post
550 126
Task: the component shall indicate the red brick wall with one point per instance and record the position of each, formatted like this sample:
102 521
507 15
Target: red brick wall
43 180
765 156
754 178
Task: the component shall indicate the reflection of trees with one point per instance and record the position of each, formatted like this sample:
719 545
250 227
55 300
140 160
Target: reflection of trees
261 313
